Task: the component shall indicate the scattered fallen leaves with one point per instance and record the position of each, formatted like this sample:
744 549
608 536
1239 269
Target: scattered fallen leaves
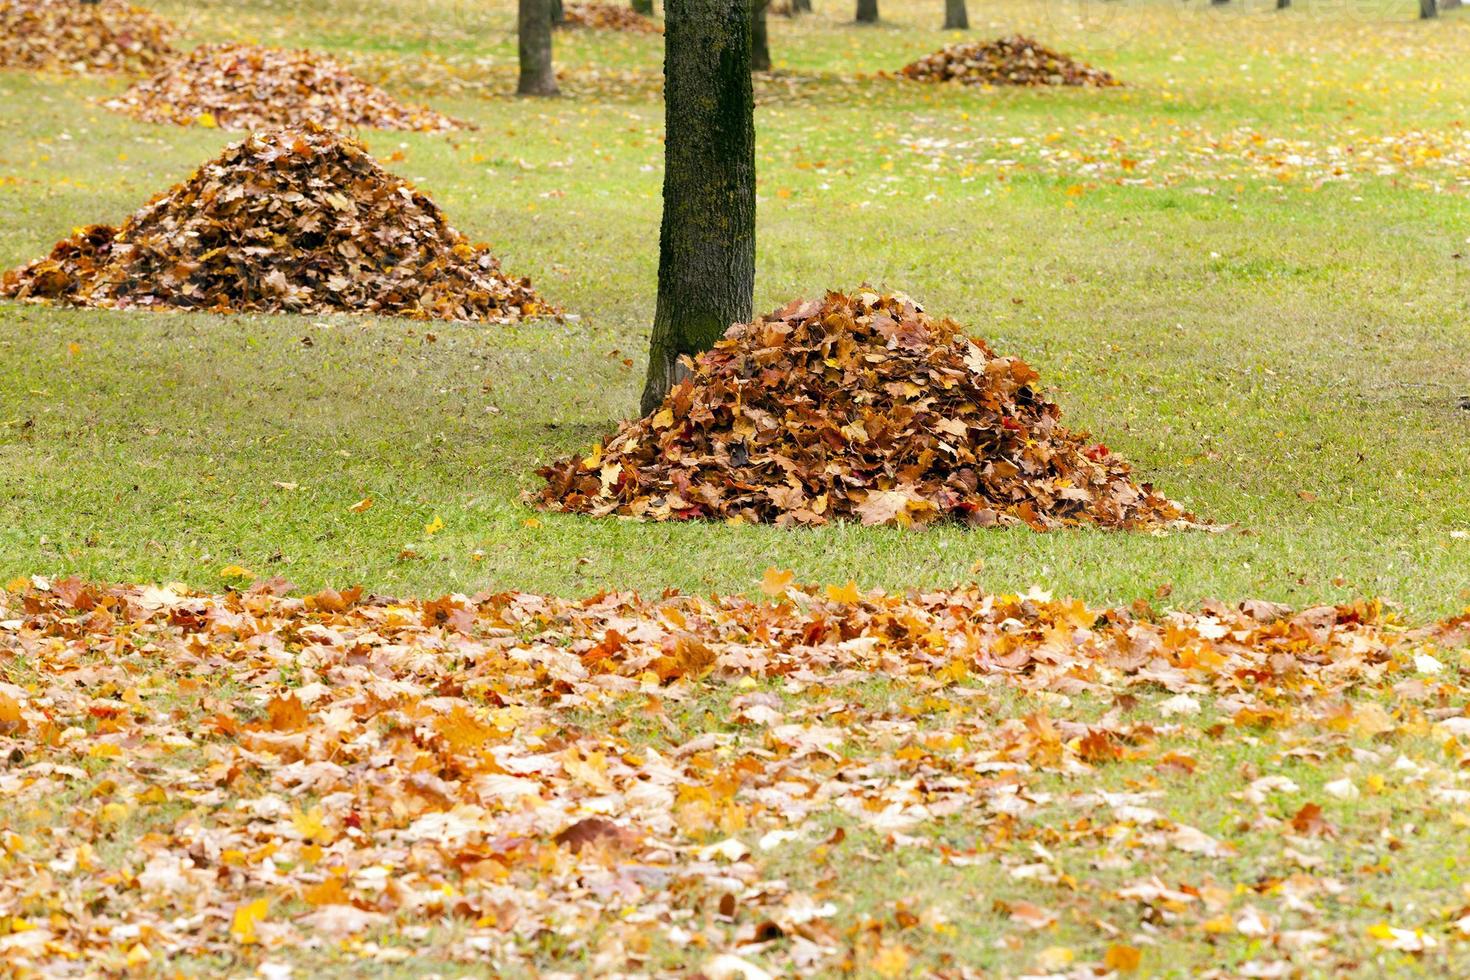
249 87
858 407
294 220
337 763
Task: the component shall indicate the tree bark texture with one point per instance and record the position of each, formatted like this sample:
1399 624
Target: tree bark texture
867 11
533 28
956 17
760 44
706 248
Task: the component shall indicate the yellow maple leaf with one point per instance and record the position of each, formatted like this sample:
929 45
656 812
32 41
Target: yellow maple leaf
847 593
361 505
1124 959
435 526
207 120
112 813
242 927
309 824
236 571
891 961
775 581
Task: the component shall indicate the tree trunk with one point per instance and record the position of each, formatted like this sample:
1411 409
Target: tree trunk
533 28
867 11
760 45
801 6
644 7
956 17
1428 9
1282 4
558 13
706 246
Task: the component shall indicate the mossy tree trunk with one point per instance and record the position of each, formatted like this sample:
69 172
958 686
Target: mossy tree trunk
1428 9
558 13
533 29
644 7
867 11
760 44
706 248
956 17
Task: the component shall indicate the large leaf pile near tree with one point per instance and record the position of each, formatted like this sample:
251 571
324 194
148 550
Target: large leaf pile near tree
610 17
1014 60
247 87
293 220
858 407
65 35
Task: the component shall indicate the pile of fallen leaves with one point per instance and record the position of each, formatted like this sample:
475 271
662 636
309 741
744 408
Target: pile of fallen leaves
610 17
518 781
1014 60
857 407
66 35
248 87
294 220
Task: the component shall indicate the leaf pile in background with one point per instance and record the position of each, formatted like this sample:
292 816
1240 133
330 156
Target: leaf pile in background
67 35
857 407
610 17
245 774
294 220
1014 60
248 87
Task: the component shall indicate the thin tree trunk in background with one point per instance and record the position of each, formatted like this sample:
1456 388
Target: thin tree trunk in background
867 11
533 28
558 14
1428 9
956 17
801 6
644 7
1282 4
706 247
760 45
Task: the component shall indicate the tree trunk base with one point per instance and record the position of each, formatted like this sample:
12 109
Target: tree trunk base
665 370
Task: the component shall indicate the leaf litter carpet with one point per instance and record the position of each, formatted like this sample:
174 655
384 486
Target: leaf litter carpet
70 36
856 407
1014 60
250 87
513 779
295 220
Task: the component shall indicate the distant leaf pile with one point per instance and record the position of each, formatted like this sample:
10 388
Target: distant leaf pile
610 17
249 87
296 220
857 407
1014 60
66 35
241 775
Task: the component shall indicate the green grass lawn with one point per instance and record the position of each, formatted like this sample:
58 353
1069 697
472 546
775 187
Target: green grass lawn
1285 355
1248 271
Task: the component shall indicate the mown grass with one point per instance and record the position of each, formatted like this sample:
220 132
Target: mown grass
1250 350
